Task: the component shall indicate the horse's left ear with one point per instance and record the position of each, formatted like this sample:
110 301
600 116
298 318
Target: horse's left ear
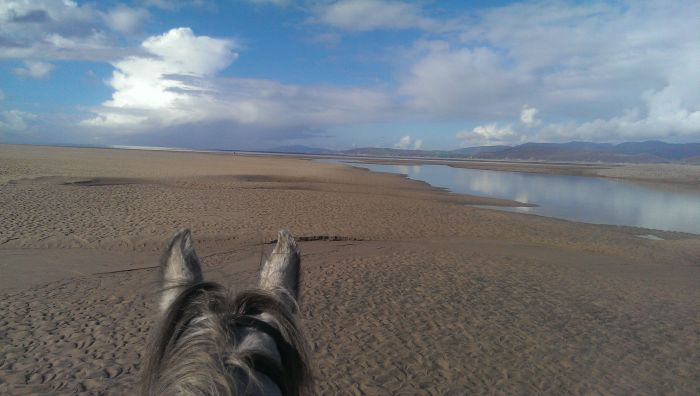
179 267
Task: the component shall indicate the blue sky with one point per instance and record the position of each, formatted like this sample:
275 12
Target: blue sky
257 74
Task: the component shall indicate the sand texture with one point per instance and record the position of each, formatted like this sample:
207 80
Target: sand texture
406 289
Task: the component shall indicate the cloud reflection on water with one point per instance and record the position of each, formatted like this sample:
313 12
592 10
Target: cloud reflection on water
586 199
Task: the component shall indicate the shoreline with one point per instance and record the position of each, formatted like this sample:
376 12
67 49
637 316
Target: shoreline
675 175
669 176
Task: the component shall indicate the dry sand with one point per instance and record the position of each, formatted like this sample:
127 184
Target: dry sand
406 289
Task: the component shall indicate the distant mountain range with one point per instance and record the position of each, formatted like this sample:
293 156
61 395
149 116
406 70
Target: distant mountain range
630 152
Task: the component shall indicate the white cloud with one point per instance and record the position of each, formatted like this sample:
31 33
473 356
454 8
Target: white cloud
404 143
25 21
671 124
2 95
559 57
34 69
603 71
181 52
460 82
63 30
156 82
176 85
126 20
527 116
15 120
365 15
671 112
487 134
407 143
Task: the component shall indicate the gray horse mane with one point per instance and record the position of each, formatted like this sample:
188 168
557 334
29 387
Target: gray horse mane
196 347
194 350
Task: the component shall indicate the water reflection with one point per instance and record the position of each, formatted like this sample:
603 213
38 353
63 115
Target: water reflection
586 199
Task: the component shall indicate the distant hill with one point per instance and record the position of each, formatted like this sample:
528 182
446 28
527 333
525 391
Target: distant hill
391 152
631 152
299 149
467 152
667 151
628 152
472 151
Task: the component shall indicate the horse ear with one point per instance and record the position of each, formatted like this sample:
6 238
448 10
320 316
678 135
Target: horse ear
281 270
179 267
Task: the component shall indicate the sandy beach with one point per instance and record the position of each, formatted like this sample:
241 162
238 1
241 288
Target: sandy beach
406 289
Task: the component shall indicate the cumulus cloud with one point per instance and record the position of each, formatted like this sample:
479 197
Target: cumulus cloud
176 85
562 54
126 20
556 56
365 15
527 116
165 81
676 125
407 143
34 69
404 143
487 135
460 82
671 112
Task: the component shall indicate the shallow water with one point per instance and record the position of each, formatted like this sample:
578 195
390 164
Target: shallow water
577 198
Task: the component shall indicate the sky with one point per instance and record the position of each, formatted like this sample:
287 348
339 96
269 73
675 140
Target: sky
260 74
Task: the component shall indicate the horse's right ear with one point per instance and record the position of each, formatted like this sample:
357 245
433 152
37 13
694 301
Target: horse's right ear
179 267
281 271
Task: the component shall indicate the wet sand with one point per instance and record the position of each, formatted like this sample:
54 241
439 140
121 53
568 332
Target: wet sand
406 289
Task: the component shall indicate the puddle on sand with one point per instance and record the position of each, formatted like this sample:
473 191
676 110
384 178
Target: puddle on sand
650 237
